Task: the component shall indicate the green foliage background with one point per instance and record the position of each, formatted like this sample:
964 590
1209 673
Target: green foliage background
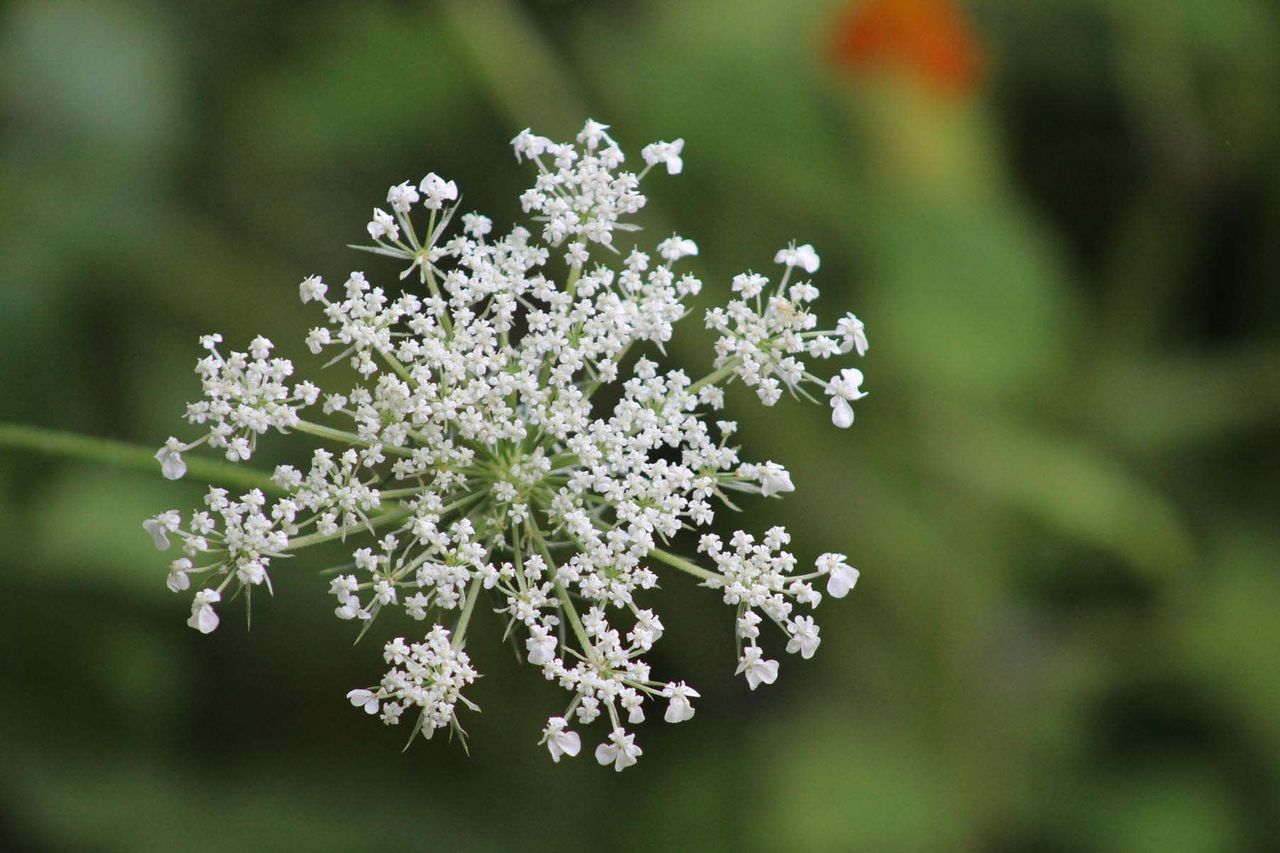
1061 491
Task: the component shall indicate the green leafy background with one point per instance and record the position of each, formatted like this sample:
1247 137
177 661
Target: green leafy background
1061 491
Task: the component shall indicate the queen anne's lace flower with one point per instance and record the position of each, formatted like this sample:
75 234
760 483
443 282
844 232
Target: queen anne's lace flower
559 740
620 750
666 153
476 460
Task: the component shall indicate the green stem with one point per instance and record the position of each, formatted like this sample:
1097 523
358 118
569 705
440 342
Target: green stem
569 611
410 492
94 449
518 553
321 431
460 632
572 614
377 521
716 376
399 368
682 564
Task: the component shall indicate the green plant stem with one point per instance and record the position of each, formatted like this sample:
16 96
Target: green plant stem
460 632
713 377
322 431
569 611
105 450
397 514
399 368
574 621
682 564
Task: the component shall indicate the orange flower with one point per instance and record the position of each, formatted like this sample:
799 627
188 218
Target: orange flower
932 41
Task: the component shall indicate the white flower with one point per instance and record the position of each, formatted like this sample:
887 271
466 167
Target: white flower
799 256
648 629
178 579
383 226
428 675
251 572
774 479
436 191
311 289
203 618
757 670
804 637
527 144
843 389
667 153
402 197
559 740
633 702
841 578
541 646
750 285
170 459
593 133
161 526
675 247
853 334
366 699
680 708
476 225
469 466
621 750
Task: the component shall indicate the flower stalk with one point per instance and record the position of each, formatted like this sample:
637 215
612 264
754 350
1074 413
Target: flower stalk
88 448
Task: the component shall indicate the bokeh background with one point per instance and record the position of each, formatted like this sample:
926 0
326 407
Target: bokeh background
1060 220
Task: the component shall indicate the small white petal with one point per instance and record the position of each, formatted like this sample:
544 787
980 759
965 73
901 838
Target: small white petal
808 258
170 458
159 533
178 581
841 413
204 620
841 580
569 743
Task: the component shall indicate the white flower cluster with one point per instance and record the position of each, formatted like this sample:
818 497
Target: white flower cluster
234 539
245 395
429 675
760 337
477 461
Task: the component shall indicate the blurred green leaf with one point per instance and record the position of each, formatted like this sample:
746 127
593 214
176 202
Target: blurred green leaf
89 526
1065 484
120 82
